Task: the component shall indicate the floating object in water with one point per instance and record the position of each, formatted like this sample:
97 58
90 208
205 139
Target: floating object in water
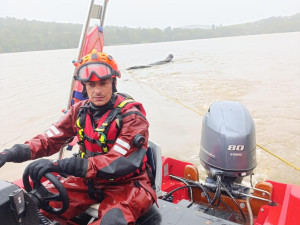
166 60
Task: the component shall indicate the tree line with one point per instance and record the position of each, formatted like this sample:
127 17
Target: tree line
23 35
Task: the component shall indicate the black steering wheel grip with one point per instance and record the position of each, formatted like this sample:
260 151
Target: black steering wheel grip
44 196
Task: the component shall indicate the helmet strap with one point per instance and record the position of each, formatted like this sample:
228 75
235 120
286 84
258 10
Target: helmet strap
84 92
114 88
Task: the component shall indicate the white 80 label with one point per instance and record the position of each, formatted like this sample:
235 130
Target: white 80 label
236 147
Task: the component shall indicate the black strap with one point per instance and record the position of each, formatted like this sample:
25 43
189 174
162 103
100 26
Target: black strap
120 125
91 188
95 193
110 141
151 177
134 112
137 183
82 115
111 116
124 95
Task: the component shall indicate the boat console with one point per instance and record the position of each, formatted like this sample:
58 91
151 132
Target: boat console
16 206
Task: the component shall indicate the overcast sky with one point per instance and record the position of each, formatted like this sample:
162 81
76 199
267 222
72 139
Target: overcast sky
153 13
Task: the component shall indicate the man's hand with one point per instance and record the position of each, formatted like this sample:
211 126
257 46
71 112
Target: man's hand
72 166
4 157
38 168
17 153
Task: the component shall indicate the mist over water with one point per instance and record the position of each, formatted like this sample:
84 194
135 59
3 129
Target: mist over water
262 72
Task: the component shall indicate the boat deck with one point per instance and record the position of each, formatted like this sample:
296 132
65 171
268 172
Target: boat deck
179 214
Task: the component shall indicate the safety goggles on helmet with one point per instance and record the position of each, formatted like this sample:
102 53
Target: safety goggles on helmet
94 70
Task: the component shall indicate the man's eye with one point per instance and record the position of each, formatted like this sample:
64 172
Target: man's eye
91 84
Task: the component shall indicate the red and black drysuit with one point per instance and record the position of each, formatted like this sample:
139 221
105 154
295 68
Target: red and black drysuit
119 172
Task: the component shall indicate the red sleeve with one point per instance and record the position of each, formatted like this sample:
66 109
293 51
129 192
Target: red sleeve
57 136
123 158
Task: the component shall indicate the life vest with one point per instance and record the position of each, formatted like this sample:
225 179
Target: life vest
99 140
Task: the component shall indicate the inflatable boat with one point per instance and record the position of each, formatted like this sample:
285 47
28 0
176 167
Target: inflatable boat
228 154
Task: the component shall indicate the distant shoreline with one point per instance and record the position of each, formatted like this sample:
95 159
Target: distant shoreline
18 35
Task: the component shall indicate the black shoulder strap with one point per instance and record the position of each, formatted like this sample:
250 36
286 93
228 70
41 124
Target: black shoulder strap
80 123
124 95
151 176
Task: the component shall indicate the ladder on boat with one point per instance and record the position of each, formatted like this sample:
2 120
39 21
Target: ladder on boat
91 37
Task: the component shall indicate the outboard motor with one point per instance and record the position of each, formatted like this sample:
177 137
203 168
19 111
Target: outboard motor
228 146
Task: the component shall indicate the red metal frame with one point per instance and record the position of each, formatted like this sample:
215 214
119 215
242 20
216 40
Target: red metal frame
174 167
287 208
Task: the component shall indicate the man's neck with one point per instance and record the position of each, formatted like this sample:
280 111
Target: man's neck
98 111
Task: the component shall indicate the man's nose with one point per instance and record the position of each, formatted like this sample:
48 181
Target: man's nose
98 89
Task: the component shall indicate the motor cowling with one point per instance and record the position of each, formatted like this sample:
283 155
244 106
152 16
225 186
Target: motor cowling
228 145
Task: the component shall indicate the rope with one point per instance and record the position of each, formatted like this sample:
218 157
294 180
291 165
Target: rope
278 157
180 103
167 96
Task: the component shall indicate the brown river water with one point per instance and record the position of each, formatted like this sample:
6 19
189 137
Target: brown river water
262 72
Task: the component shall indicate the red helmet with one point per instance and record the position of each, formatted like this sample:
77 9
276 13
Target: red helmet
96 66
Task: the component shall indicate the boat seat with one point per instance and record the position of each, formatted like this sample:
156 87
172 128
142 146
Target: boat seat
154 160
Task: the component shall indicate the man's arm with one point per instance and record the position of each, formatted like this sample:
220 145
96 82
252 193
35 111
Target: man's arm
57 136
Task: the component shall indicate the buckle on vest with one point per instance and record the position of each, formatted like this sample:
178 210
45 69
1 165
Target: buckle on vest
82 155
102 139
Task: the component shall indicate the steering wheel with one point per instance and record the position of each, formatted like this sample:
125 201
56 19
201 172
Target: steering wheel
44 196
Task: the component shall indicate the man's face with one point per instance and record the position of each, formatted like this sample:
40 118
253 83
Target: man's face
99 92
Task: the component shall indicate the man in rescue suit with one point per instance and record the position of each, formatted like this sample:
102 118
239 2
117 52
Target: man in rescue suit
113 134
